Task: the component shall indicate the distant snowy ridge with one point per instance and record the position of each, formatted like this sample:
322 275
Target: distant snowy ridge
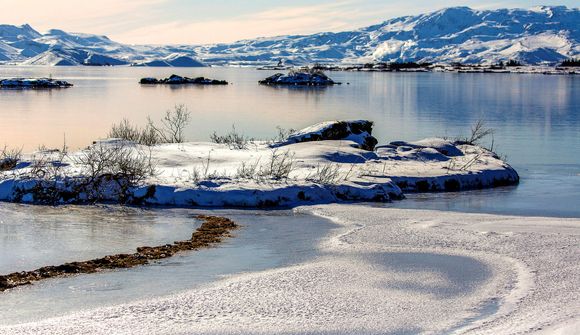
545 34
24 45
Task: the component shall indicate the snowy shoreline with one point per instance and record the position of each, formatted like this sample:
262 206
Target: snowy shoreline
406 271
325 163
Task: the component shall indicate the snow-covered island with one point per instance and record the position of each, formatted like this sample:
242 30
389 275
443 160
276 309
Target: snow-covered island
300 78
325 163
179 80
33 83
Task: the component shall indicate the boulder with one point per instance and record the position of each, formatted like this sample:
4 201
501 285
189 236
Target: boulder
358 131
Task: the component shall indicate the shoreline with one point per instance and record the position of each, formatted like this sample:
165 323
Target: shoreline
357 67
440 269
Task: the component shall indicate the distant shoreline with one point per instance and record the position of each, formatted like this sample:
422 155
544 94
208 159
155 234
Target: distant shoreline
434 68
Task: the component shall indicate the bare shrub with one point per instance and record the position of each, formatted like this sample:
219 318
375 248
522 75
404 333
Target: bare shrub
170 129
119 160
118 165
279 167
325 174
47 164
47 170
9 158
172 125
247 170
233 139
127 131
479 131
282 134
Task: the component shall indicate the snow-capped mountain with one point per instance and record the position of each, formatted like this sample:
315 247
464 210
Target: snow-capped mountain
459 34
24 45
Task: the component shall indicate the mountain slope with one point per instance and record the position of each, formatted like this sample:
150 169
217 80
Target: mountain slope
458 34
24 45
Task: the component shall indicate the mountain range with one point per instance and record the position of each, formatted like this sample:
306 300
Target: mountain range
545 34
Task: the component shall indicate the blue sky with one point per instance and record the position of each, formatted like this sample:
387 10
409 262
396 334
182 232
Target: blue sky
197 21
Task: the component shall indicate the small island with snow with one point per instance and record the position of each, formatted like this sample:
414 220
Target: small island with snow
38 83
179 80
304 77
333 161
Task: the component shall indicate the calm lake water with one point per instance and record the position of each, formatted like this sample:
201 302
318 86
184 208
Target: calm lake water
536 118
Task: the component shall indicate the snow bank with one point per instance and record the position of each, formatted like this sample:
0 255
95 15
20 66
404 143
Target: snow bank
264 175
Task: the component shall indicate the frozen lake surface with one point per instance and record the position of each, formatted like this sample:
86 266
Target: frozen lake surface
35 236
381 270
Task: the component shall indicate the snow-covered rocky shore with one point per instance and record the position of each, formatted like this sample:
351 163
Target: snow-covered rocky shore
326 163
33 83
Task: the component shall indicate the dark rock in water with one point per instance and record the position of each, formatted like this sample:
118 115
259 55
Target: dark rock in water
358 131
33 83
149 81
179 80
299 79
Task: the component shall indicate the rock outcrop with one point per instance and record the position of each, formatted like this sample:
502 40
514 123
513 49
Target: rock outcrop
299 79
358 131
33 83
179 80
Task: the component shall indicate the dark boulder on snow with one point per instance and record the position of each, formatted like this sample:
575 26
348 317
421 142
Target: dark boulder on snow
33 83
358 131
299 79
179 80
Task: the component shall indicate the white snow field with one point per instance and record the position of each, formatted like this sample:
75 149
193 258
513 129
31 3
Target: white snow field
262 174
385 271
